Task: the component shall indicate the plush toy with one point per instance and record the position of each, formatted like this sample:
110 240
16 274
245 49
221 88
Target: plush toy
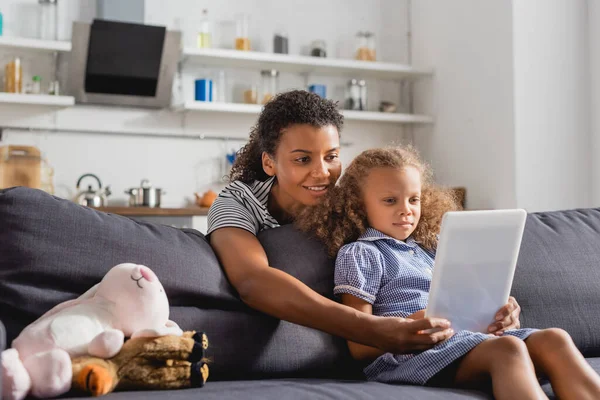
128 302
167 362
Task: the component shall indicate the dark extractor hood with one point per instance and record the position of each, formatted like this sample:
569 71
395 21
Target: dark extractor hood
122 63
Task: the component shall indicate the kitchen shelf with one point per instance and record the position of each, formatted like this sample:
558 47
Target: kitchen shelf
155 211
302 64
34 44
349 115
37 99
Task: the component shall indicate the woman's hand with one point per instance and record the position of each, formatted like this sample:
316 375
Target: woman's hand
506 318
405 335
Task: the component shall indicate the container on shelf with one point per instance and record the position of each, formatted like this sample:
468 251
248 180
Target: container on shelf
321 90
220 92
362 84
318 48
280 42
47 23
54 88
353 95
36 87
365 46
205 33
13 76
203 90
242 37
269 85
251 95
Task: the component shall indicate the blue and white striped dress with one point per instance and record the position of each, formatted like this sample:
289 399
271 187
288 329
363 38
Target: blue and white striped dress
395 276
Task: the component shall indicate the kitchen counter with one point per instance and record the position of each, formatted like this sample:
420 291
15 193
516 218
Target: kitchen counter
155 211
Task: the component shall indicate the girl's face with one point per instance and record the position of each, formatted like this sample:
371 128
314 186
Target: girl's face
392 198
306 164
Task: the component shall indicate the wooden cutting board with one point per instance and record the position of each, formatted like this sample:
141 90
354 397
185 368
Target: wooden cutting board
20 166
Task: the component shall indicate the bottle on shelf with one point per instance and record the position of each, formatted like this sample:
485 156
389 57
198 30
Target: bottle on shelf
48 14
205 34
13 76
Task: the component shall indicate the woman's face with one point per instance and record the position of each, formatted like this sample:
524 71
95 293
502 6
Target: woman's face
306 164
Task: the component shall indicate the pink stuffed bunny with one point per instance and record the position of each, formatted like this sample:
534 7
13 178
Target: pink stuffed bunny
128 302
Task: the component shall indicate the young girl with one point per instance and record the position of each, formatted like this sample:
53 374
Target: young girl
384 217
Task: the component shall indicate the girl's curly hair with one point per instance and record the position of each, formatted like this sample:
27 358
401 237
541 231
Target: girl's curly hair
341 218
286 109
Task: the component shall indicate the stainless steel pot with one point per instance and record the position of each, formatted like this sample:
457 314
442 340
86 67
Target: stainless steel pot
145 195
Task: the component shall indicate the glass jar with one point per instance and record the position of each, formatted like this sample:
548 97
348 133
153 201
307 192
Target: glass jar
48 14
352 95
204 34
13 76
318 48
251 95
269 84
365 46
242 37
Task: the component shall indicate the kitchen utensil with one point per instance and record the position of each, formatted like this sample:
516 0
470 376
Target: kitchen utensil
20 166
206 199
91 197
145 195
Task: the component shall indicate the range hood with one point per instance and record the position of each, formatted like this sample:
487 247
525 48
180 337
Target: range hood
123 63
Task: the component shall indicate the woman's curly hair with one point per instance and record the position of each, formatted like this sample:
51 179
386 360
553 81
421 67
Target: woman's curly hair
286 109
341 217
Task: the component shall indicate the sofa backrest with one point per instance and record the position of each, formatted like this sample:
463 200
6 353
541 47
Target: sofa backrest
53 250
557 280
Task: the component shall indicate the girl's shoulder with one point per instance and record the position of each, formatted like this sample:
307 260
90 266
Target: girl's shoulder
360 251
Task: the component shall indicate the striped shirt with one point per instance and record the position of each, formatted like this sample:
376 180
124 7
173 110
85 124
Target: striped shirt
242 205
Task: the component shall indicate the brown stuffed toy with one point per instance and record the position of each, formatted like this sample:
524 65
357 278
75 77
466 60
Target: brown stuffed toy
145 363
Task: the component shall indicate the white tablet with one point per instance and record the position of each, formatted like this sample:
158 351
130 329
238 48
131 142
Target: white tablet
474 266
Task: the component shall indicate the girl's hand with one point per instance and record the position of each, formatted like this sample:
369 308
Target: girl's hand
506 318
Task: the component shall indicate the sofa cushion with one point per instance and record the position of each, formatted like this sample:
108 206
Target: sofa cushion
52 250
557 280
304 389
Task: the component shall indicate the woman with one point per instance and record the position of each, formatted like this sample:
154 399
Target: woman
291 161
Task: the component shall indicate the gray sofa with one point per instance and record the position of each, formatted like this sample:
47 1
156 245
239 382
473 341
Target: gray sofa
52 250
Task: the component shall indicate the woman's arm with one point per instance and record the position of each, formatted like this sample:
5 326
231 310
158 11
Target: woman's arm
279 294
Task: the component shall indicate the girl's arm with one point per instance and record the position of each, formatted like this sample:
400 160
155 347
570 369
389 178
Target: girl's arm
279 294
360 351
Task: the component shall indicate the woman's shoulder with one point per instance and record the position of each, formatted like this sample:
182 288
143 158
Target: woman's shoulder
258 190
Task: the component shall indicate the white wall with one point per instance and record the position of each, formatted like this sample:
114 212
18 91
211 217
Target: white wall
184 166
551 104
469 44
511 100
